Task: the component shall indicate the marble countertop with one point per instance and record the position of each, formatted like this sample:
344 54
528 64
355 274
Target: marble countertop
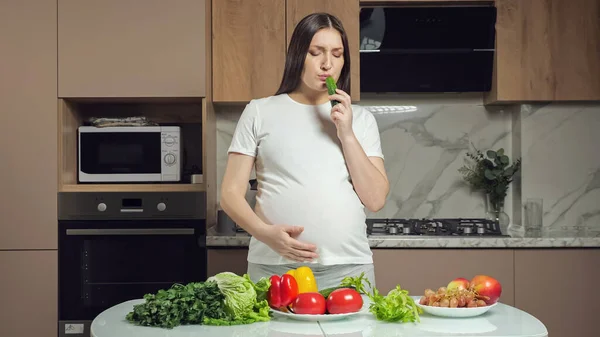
500 321
518 240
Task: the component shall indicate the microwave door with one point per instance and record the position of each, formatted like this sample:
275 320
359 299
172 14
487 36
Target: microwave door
119 156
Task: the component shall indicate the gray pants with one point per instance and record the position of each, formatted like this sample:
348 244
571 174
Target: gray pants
326 276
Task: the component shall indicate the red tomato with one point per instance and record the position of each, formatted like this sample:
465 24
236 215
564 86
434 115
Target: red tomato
343 301
311 303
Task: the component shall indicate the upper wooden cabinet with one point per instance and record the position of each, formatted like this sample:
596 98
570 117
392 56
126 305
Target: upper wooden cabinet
28 141
546 50
250 40
248 49
131 48
348 12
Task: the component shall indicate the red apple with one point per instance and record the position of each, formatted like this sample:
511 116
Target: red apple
487 286
459 283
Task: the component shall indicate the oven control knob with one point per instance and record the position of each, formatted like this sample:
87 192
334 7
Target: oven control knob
161 206
101 207
170 159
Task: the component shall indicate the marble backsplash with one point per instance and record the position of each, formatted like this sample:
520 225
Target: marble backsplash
426 144
561 162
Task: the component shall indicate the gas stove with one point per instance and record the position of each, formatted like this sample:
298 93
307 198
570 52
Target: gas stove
434 227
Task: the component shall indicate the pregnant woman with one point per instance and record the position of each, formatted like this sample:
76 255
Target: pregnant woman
318 165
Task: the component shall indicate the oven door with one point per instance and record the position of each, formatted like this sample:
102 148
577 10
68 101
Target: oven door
104 263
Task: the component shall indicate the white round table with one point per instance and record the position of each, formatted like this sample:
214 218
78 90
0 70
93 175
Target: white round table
500 321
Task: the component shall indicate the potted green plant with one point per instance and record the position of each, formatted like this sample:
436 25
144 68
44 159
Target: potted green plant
491 173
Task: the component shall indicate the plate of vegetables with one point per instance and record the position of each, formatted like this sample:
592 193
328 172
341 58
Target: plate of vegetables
294 298
294 295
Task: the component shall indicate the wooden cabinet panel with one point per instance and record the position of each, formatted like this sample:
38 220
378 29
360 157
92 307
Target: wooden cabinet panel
248 49
559 287
28 123
29 293
419 269
128 48
231 259
546 50
395 2
348 12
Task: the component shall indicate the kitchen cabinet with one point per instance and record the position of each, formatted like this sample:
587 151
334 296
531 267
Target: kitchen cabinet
546 50
227 259
128 48
348 12
559 287
418 269
413 269
28 123
29 292
248 49
249 44
395 2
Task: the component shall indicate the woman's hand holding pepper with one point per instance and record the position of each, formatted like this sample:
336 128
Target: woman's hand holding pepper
282 239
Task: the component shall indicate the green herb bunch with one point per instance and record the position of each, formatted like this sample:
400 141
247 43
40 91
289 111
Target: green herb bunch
224 299
490 172
180 305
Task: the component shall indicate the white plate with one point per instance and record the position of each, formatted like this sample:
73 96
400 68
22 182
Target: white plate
314 318
454 312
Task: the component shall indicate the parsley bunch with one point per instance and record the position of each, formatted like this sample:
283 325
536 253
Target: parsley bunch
179 305
224 299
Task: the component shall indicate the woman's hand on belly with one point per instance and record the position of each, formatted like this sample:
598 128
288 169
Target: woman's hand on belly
282 239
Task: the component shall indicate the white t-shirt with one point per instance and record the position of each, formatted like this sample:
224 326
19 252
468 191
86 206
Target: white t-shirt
303 179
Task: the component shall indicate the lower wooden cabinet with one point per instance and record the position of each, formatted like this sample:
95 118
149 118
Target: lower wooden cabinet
29 295
560 288
412 269
231 259
419 269
557 286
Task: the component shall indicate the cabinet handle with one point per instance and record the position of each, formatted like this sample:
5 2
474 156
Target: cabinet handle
132 231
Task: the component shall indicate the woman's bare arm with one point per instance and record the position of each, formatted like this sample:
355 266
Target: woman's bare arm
280 237
368 175
233 191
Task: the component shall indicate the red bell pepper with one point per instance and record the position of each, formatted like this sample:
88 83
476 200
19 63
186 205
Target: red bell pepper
283 291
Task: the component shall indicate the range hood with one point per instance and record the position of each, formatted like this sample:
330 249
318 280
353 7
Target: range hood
427 48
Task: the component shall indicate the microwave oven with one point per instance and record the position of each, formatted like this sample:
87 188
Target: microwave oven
129 154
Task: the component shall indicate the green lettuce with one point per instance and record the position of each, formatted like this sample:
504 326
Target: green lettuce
245 301
396 306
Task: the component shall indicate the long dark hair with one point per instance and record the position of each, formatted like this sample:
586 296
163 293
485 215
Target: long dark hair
298 48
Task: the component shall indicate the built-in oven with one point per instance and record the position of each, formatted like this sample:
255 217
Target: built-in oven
115 247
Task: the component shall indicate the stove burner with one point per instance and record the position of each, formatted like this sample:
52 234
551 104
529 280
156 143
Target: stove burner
434 227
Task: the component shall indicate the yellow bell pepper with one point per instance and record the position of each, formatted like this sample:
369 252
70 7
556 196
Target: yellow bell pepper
305 279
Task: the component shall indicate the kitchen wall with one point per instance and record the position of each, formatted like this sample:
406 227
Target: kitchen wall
561 162
425 145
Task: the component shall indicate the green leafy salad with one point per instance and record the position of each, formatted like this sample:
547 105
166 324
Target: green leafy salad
396 306
224 299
